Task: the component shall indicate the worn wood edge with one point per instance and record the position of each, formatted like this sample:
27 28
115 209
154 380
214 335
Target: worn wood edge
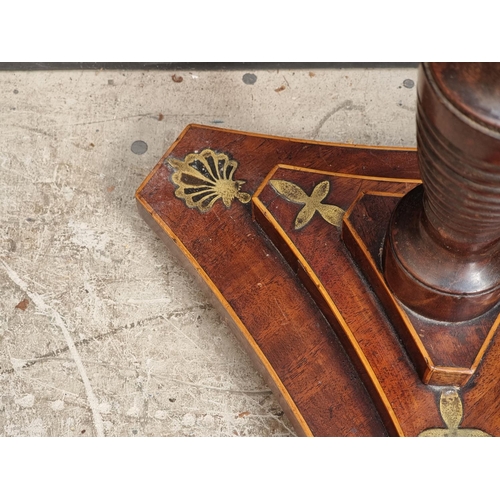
260 361
161 161
302 141
431 374
285 166
391 421
264 183
443 376
387 300
279 138
486 344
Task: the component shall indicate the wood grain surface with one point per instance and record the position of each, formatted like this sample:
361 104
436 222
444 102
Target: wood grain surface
328 384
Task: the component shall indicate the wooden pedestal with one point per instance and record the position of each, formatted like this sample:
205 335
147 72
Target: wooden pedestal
287 237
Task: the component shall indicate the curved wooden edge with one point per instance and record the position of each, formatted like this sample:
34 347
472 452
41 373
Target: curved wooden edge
266 136
380 398
265 368
302 141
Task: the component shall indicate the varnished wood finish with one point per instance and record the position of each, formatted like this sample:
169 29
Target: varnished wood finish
443 354
324 266
442 254
473 89
231 254
329 383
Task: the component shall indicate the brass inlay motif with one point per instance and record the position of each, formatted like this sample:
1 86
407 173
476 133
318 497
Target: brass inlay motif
451 410
203 178
312 204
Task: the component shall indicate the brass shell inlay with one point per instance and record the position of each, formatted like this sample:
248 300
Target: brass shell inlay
203 178
451 409
312 204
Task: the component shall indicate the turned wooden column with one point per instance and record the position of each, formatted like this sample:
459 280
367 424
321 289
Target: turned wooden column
442 250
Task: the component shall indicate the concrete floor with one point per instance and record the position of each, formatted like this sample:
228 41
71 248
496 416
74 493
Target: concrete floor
101 332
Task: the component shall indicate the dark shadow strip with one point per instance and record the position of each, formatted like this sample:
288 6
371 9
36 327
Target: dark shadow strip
196 66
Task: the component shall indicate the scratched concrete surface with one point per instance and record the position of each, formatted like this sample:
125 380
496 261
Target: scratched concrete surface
101 332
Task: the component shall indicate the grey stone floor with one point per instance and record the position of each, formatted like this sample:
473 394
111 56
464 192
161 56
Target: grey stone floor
101 332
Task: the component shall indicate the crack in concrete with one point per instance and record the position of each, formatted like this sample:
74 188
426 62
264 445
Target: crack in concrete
59 321
83 342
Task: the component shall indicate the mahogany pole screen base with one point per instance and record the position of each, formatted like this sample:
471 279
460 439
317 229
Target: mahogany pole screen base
287 237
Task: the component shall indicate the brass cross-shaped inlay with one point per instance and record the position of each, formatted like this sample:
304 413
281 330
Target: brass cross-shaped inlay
312 204
451 410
